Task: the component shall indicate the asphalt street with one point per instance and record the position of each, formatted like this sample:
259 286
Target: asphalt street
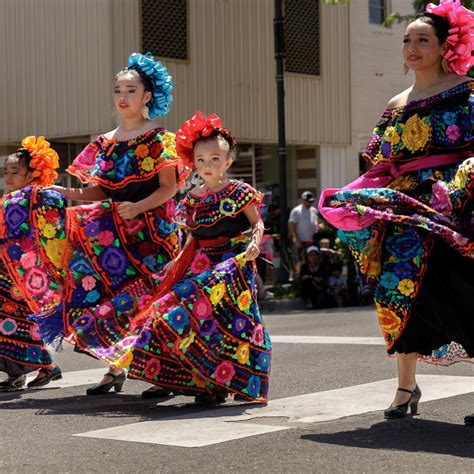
325 415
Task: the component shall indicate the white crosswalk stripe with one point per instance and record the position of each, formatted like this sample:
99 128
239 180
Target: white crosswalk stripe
229 423
366 341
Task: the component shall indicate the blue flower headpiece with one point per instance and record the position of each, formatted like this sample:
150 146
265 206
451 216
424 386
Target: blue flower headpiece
161 82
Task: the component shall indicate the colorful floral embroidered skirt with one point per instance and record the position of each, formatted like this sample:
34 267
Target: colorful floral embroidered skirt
206 334
20 341
82 268
423 235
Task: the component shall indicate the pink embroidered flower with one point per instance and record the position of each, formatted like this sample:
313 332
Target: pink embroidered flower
201 308
200 264
8 326
28 260
34 333
104 310
106 165
88 283
132 226
36 281
257 337
453 132
152 368
105 238
87 156
143 301
224 372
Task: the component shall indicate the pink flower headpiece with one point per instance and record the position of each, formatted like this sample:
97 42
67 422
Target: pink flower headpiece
461 34
199 126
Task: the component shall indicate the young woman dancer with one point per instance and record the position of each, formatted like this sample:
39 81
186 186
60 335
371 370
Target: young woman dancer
408 221
203 334
21 349
113 247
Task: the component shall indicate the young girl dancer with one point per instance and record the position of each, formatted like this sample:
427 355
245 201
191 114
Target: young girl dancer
21 349
204 334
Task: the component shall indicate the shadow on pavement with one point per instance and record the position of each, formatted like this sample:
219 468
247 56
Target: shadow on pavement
410 435
118 406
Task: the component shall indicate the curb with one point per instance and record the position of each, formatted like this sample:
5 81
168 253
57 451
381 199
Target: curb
281 306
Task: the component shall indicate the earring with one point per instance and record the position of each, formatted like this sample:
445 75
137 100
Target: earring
445 65
405 69
223 177
146 112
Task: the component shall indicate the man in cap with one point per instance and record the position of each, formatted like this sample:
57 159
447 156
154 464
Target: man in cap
303 223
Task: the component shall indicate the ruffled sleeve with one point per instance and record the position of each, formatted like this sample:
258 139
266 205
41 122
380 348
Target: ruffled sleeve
183 212
113 164
373 152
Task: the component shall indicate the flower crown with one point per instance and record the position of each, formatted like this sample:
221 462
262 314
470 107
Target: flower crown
461 34
199 126
44 160
161 82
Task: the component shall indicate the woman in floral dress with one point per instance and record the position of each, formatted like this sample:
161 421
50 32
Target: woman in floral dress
408 221
203 334
104 254
21 349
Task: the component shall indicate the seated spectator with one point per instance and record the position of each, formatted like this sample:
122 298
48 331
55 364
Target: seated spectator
337 286
313 279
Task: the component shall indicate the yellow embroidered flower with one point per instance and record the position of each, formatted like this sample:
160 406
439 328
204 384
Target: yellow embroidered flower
416 133
55 250
243 353
187 341
141 151
244 300
217 293
406 287
462 174
49 231
241 260
227 207
41 222
124 361
403 183
148 163
391 135
169 144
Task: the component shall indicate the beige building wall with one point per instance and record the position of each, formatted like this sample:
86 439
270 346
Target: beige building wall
63 55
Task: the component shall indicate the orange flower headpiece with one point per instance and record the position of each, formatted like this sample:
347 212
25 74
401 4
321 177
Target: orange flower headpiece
199 126
44 160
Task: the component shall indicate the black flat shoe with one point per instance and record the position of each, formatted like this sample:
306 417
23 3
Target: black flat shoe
12 384
215 398
46 376
469 420
400 411
116 382
157 392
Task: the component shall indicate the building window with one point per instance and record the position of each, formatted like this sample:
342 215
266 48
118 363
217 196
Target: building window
302 36
377 11
164 28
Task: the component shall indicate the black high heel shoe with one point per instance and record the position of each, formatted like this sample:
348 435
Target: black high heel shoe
400 411
116 382
13 383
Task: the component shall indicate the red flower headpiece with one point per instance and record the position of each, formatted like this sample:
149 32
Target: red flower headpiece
44 160
199 126
461 34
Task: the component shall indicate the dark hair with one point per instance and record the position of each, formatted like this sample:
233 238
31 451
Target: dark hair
23 157
144 79
222 137
439 23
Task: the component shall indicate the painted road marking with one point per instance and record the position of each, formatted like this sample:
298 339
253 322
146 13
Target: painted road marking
367 341
229 423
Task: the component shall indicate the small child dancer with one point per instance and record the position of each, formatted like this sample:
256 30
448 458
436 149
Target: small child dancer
21 349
